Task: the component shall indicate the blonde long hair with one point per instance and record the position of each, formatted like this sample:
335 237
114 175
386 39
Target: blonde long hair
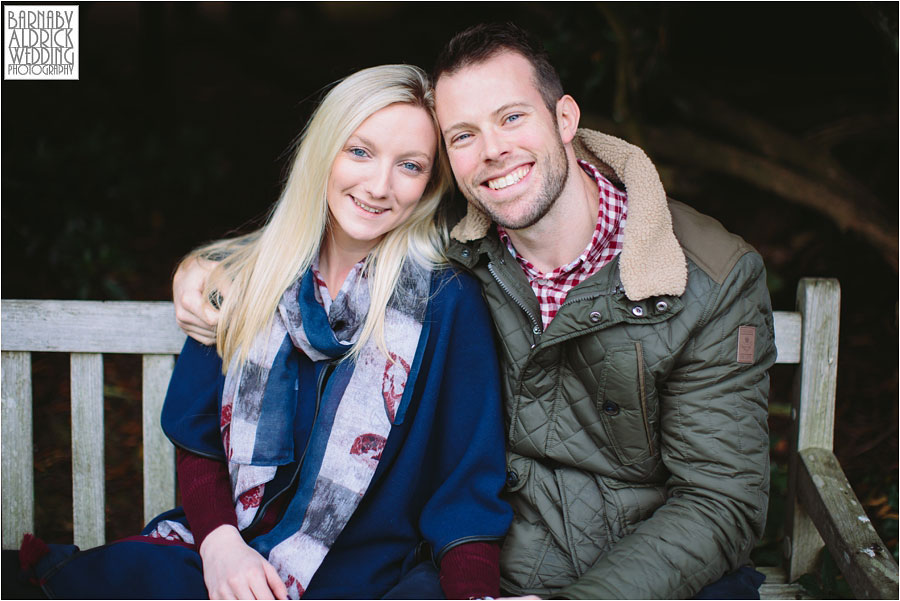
260 266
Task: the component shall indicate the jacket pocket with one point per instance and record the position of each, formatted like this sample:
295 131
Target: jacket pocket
635 501
627 404
592 519
535 556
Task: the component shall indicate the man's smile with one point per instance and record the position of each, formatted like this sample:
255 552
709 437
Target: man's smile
513 177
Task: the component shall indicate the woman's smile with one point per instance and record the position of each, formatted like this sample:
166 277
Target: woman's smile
367 208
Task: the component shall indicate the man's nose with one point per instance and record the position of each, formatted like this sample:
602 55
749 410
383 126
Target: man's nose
494 145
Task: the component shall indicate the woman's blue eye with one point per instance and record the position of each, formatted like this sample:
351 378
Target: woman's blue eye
358 152
461 138
512 118
412 167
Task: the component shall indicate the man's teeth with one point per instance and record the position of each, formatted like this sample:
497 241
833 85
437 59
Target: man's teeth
367 208
509 179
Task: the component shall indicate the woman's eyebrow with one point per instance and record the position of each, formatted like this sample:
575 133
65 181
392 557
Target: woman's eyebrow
418 153
366 142
361 140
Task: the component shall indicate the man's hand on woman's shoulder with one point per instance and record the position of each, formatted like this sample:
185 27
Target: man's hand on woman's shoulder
193 312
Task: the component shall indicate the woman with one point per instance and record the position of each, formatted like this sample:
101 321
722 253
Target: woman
349 426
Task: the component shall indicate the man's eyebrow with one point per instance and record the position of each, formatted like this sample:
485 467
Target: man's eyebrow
510 105
455 126
495 113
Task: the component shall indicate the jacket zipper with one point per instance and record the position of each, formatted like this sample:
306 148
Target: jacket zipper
323 377
639 350
578 299
538 328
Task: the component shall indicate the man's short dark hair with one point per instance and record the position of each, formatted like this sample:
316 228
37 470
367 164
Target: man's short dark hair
482 42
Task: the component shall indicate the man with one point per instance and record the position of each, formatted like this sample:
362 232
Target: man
635 334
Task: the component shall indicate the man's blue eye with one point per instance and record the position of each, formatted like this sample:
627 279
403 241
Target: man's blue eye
512 118
460 137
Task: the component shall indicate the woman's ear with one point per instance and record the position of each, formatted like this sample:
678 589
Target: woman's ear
567 116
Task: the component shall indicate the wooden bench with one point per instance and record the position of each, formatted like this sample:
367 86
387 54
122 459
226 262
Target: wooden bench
825 512
86 329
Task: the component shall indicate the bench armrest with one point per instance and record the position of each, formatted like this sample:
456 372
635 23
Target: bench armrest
830 502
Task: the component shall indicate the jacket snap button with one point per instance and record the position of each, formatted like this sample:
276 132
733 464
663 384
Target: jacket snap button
595 316
662 306
465 252
536 330
637 311
512 478
610 408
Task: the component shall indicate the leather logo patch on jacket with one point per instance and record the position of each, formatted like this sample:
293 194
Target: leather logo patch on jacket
746 344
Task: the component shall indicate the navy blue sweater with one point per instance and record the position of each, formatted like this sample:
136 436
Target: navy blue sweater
442 468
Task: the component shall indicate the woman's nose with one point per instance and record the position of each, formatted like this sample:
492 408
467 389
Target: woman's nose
379 182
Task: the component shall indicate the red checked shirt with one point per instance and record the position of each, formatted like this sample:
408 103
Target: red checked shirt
552 288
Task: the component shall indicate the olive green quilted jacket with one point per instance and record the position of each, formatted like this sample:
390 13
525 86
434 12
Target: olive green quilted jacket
637 438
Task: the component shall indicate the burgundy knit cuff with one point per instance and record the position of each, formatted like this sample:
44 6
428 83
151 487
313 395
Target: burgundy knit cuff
471 570
205 494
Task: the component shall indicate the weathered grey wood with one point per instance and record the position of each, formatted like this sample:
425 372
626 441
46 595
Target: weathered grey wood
18 457
776 585
818 301
783 591
159 454
88 485
773 574
865 563
90 326
788 330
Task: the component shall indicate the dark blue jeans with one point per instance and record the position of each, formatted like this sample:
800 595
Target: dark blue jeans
743 583
421 582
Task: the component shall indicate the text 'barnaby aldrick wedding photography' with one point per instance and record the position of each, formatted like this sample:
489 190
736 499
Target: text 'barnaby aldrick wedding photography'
40 42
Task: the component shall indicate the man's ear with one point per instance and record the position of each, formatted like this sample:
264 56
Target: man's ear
567 116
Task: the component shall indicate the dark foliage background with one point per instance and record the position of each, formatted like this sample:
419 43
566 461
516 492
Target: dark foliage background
778 119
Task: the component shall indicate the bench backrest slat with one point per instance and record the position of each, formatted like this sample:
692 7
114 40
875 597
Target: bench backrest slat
159 454
88 466
788 330
818 300
91 326
18 458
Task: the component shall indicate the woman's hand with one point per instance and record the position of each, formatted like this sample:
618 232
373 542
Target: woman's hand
193 313
234 570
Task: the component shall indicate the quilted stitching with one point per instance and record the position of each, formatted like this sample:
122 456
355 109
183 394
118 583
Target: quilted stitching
581 497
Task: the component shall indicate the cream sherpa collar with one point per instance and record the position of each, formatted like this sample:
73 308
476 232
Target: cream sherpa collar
652 262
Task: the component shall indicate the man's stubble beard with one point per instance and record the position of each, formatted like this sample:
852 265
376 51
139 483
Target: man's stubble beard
554 182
